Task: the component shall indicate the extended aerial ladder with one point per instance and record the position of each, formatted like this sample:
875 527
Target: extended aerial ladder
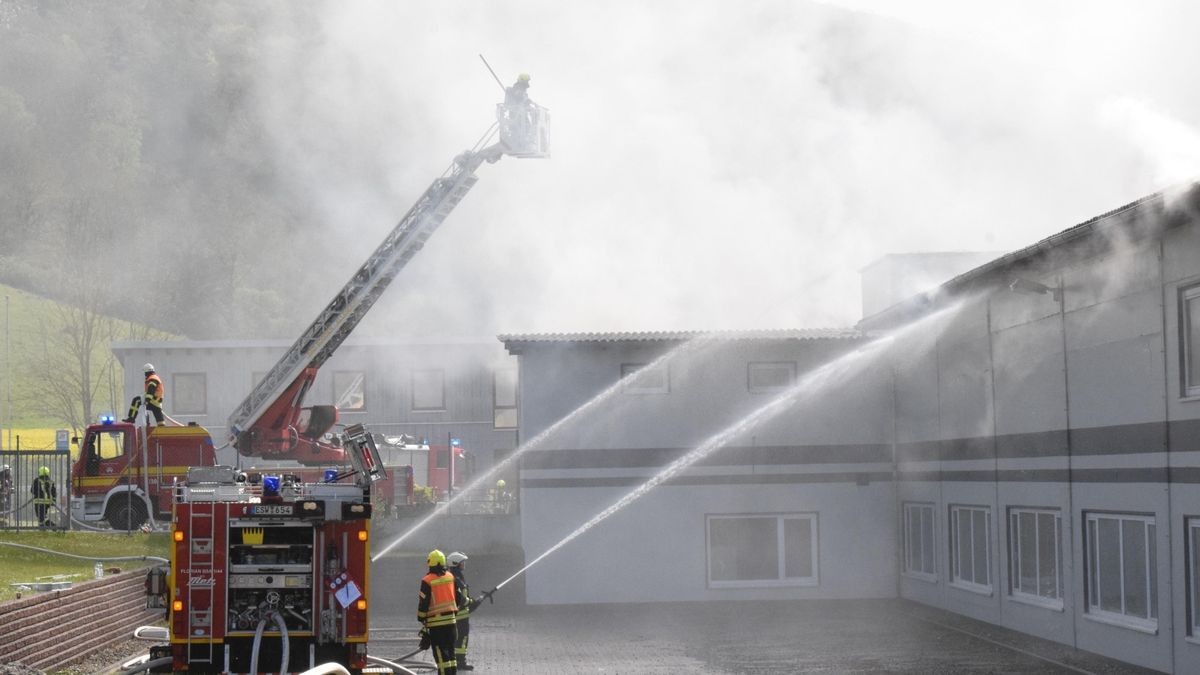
271 422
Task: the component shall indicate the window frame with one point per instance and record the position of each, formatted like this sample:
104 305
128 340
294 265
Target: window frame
1191 561
498 409
931 548
629 370
333 384
781 551
952 526
763 366
1014 557
1092 587
175 398
413 390
1189 343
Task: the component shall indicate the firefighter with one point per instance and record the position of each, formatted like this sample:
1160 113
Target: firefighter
6 493
153 397
45 494
501 498
518 93
466 605
437 609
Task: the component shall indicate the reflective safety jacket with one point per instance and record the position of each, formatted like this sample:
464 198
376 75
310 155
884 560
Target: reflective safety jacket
436 604
154 390
44 490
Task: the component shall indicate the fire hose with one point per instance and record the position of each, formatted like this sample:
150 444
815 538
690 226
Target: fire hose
258 634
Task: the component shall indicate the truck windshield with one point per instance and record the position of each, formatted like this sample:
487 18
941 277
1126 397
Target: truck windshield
109 444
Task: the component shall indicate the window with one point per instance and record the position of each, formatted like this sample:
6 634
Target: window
1122 574
762 550
349 390
970 548
428 390
1035 556
919 558
642 379
764 377
190 395
1189 323
108 444
1192 556
504 398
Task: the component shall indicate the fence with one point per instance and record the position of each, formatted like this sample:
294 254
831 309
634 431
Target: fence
18 469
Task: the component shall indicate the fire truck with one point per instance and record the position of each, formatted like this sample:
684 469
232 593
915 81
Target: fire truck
125 472
269 571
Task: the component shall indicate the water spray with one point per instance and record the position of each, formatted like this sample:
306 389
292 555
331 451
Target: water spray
811 382
690 345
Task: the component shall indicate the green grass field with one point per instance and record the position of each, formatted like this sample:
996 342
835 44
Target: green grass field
18 565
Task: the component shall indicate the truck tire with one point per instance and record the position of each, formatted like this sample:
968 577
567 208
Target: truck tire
125 514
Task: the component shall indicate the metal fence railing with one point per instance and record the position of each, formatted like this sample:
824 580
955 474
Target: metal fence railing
18 470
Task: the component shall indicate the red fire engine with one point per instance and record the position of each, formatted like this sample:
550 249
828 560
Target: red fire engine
270 570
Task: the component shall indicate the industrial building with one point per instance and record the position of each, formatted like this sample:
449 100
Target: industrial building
1028 455
435 390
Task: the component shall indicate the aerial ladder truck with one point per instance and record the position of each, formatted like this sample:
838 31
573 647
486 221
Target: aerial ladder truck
269 573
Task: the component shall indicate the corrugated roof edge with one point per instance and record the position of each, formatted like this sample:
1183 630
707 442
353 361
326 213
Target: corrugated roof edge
1089 227
660 336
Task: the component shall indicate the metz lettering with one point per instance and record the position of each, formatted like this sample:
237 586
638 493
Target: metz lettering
202 582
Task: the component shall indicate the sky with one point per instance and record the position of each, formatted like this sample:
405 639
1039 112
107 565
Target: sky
721 165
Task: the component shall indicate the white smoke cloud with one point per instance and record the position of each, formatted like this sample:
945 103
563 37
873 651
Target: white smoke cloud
718 164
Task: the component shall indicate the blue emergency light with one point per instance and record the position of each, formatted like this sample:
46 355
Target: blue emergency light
330 475
107 418
270 486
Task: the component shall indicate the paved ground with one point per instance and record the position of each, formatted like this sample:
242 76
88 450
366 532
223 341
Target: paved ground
727 637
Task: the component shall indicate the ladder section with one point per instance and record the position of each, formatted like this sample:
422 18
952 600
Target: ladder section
200 571
348 307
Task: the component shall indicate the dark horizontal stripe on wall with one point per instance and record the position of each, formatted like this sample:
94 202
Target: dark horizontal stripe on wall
1184 435
1034 444
1147 475
626 458
858 477
1120 439
1111 440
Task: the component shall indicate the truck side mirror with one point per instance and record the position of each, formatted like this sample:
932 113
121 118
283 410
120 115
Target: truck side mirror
74 440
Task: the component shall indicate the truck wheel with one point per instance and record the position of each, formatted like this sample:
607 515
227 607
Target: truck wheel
123 514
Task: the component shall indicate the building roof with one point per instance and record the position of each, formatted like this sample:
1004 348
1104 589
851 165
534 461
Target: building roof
1129 222
679 336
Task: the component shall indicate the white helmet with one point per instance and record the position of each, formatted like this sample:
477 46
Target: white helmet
148 368
455 559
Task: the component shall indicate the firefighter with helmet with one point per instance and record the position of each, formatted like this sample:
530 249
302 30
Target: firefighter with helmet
153 397
437 610
45 494
466 604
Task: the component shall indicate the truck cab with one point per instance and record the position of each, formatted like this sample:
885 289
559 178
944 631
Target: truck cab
125 474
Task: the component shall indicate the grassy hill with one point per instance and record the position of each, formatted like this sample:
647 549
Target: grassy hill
36 362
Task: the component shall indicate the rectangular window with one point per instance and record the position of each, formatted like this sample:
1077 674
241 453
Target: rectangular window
504 398
766 377
1189 323
1122 575
970 548
762 550
349 390
428 390
642 379
1035 556
919 558
1192 557
189 394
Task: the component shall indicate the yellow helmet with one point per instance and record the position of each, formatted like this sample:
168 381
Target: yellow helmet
437 558
44 471
523 77
500 483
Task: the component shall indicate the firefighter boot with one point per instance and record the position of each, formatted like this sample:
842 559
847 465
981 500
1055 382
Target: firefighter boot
462 663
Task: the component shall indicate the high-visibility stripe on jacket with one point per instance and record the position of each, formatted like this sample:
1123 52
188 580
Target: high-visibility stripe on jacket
44 491
464 594
154 390
437 605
